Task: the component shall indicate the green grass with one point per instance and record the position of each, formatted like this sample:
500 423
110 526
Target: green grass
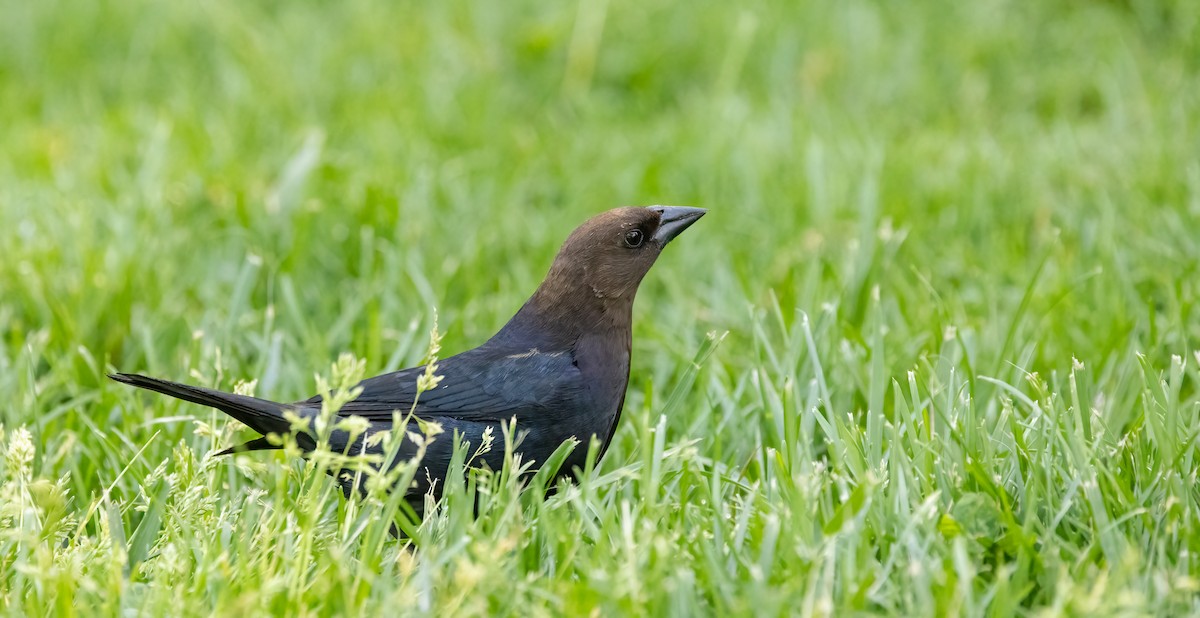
953 246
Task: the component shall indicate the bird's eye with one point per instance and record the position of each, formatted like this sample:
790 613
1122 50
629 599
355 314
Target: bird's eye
634 238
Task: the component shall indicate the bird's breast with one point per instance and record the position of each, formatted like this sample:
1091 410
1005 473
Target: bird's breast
603 362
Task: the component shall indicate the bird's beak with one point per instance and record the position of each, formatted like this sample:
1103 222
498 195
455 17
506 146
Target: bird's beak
673 220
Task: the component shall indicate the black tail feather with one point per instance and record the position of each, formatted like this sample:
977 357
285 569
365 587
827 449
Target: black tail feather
258 414
258 444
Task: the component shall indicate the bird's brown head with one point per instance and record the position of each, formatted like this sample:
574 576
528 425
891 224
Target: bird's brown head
602 262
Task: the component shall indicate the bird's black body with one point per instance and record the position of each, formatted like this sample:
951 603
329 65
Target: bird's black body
559 367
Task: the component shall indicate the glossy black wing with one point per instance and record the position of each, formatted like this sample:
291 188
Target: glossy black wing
475 386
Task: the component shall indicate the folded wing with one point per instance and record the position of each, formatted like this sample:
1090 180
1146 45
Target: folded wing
475 386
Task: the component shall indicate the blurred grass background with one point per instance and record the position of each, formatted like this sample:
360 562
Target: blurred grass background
952 244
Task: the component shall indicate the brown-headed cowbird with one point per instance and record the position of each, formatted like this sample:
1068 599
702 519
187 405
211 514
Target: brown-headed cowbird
559 367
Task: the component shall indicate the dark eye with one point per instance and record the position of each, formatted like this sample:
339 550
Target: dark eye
634 238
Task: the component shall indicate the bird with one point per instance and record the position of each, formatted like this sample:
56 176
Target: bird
557 370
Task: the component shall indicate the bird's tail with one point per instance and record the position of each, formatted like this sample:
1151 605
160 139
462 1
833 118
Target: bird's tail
258 414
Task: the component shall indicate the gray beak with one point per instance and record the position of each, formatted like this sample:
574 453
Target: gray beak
673 220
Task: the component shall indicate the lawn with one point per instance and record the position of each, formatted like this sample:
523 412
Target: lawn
933 351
